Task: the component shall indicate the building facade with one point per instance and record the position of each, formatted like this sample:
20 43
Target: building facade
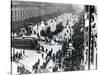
23 10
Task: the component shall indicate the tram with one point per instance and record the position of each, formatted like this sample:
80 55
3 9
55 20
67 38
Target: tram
24 43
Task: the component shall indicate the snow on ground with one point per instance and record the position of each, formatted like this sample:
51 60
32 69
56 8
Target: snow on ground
32 56
14 68
32 59
55 47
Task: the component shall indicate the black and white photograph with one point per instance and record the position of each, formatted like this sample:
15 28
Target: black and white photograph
52 37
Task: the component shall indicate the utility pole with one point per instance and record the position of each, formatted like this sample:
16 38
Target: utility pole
89 8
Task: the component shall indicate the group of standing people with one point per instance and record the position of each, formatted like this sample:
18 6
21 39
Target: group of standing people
22 70
18 55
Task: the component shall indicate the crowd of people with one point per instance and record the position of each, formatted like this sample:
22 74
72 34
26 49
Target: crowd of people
57 30
61 60
18 55
60 27
22 70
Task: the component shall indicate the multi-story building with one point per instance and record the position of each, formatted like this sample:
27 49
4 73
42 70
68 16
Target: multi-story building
23 10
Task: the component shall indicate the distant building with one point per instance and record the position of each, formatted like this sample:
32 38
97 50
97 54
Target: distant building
23 10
